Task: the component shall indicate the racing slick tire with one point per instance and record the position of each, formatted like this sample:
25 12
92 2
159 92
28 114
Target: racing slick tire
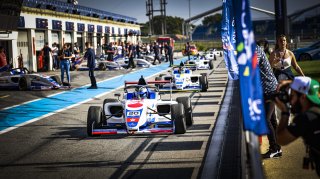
205 79
102 66
186 101
158 79
56 78
107 100
177 115
24 83
93 119
204 83
211 65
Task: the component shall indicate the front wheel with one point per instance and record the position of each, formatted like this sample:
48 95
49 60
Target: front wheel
177 115
93 119
24 83
204 83
211 65
102 67
56 78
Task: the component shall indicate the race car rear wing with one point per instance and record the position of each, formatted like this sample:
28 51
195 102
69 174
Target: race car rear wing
148 82
185 65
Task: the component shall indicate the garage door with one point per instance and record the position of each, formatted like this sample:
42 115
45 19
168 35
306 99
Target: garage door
55 37
39 40
23 45
67 37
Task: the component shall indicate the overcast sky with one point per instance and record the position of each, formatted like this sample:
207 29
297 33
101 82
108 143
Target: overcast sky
180 8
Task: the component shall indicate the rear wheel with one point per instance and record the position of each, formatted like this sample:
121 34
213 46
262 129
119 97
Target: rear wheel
186 101
177 115
211 64
24 83
158 79
93 119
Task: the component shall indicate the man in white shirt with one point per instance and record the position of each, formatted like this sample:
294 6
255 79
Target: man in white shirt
55 52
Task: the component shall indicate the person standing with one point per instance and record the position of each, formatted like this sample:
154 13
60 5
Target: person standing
130 55
46 53
91 63
119 50
281 59
269 85
76 49
55 51
110 52
156 53
3 58
65 63
138 50
187 50
169 53
148 49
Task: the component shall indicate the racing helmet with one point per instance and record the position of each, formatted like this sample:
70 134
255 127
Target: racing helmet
143 93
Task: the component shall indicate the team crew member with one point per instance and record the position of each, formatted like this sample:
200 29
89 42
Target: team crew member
187 50
46 53
90 56
65 62
156 53
168 52
130 55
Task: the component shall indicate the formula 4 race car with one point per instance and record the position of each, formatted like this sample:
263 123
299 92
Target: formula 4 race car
140 111
21 79
200 63
120 63
182 79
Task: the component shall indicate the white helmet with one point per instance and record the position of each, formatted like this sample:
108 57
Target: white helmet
143 93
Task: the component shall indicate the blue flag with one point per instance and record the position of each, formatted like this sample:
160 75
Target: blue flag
228 36
249 73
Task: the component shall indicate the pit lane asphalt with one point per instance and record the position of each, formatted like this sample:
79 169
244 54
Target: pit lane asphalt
58 147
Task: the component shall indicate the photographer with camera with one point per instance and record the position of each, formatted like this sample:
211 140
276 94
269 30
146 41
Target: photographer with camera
303 97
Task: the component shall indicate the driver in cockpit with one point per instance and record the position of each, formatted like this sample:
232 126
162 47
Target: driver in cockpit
142 93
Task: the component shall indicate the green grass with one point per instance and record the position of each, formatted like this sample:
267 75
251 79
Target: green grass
310 68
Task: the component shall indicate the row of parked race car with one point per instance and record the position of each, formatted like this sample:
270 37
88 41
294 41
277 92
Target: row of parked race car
141 109
22 79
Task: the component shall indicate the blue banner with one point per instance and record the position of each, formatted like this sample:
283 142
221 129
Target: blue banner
228 36
249 73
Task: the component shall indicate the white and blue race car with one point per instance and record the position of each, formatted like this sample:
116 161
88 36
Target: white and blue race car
140 111
21 79
200 63
182 79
